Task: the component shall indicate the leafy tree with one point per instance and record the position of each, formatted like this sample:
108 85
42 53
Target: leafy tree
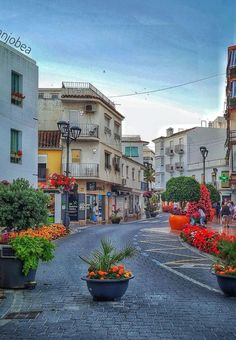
214 194
163 196
149 176
182 189
21 206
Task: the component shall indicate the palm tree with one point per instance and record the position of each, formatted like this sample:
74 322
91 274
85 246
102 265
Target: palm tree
149 176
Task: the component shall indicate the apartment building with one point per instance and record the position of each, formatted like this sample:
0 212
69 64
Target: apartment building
95 157
178 154
18 115
148 157
230 115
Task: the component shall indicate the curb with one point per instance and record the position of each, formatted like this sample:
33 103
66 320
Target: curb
197 251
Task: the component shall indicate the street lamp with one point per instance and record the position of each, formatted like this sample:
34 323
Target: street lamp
215 170
70 133
204 153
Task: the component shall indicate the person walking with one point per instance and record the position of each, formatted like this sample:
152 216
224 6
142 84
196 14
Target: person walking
225 214
95 213
217 212
126 210
202 217
137 210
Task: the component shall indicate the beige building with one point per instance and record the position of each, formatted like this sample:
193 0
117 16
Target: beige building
95 159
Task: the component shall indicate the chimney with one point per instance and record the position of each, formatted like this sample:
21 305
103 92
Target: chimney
169 132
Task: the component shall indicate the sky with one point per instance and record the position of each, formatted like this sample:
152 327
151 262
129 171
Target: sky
130 46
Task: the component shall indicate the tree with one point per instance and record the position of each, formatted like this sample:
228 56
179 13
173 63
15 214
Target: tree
205 201
214 194
182 189
149 176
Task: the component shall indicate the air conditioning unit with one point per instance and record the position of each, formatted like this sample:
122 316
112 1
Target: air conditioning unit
123 181
89 108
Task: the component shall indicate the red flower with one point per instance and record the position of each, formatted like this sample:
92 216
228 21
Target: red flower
19 153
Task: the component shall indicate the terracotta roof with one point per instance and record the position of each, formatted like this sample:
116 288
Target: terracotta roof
49 139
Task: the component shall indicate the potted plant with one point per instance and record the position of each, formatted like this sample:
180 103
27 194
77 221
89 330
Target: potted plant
21 207
115 218
181 189
225 267
107 279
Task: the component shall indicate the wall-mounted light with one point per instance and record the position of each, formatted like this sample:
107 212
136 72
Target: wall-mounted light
94 151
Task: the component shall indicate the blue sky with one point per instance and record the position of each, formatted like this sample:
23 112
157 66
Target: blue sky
129 45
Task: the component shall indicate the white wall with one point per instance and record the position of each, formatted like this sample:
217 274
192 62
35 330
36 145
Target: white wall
16 117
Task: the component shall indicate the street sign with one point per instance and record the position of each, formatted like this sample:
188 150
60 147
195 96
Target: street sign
109 194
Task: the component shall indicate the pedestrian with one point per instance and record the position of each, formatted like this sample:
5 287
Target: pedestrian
202 217
126 210
137 210
218 212
225 214
95 212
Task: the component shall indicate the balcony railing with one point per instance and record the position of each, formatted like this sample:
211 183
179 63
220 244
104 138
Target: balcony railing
232 136
179 148
232 72
89 130
81 89
179 166
169 151
169 168
83 169
232 103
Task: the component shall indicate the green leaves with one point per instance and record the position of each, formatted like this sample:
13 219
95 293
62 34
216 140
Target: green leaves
21 206
106 257
32 249
182 189
228 252
214 194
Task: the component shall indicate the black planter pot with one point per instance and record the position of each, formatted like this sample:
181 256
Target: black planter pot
154 214
148 214
11 276
115 221
107 290
227 284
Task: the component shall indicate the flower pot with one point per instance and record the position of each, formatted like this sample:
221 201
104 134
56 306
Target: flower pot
107 290
227 284
11 275
154 214
177 222
147 213
115 221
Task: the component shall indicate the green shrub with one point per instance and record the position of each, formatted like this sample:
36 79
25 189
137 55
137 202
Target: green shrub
32 249
182 189
214 194
21 206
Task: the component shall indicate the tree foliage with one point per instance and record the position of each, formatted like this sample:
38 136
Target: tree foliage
214 194
182 189
21 206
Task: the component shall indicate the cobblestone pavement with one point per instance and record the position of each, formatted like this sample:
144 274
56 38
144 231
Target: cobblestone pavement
173 295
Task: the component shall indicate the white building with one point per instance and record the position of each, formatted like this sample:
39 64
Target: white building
18 115
179 154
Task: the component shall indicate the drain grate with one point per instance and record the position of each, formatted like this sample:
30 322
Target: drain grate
23 315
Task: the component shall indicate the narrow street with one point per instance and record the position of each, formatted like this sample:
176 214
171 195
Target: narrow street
173 294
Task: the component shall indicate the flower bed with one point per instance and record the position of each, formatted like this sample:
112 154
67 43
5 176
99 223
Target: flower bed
117 272
205 240
50 232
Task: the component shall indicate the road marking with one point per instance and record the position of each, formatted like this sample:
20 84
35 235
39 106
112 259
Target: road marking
166 248
182 261
187 278
165 252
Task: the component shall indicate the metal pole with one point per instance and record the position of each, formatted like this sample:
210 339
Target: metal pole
204 169
67 217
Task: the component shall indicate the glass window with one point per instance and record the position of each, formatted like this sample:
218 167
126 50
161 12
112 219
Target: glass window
131 151
232 61
127 171
233 91
133 174
16 89
117 128
122 170
42 172
107 121
16 146
107 161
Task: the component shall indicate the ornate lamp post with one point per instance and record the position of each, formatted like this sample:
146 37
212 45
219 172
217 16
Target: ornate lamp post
70 133
204 153
215 170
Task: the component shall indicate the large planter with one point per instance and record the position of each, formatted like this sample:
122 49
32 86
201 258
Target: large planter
11 275
107 290
177 222
227 284
147 213
116 220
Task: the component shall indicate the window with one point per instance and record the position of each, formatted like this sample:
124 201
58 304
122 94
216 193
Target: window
107 121
75 155
122 170
16 89
107 161
54 95
41 95
42 172
139 175
131 203
233 89
117 128
131 151
232 61
133 174
116 163
16 146
127 171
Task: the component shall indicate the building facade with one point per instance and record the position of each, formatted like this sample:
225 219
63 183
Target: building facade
18 115
178 154
230 115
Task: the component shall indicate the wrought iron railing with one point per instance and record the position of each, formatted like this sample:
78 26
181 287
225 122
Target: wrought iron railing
83 169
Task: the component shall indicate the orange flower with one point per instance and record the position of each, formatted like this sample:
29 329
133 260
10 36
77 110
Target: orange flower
121 266
121 271
92 274
117 275
115 269
101 278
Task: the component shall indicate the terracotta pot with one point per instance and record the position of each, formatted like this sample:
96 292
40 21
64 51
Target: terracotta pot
177 222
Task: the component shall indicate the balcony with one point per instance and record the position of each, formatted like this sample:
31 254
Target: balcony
83 169
169 168
232 137
117 137
144 186
169 151
81 90
179 149
179 166
231 72
89 130
232 103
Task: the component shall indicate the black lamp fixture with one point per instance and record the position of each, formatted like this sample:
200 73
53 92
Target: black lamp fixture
214 175
204 153
70 133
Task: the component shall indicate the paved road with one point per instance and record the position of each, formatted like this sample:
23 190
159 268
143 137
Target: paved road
173 295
